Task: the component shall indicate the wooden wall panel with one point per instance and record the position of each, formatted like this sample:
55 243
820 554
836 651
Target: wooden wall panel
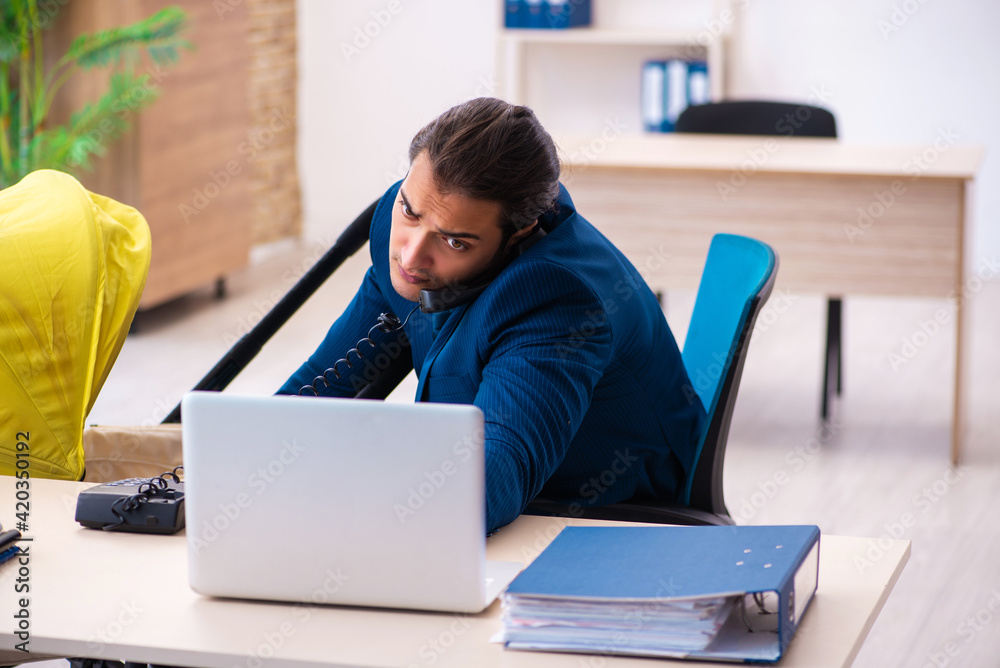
181 164
277 198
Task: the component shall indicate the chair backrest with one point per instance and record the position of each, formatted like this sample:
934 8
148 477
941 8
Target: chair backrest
737 279
756 117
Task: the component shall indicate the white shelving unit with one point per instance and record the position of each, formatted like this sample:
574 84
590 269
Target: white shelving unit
567 74
516 46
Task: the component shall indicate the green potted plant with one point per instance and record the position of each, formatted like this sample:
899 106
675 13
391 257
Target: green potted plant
28 141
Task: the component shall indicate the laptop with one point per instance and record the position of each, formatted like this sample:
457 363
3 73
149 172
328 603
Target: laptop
338 501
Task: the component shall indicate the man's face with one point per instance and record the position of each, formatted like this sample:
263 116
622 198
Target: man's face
440 240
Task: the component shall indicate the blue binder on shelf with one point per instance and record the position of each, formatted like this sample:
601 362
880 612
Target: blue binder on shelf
698 91
515 13
668 87
547 14
655 576
562 14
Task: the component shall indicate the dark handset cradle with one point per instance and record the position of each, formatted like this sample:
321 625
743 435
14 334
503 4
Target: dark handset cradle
142 505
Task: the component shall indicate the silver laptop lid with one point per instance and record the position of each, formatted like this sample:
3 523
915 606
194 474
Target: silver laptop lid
335 501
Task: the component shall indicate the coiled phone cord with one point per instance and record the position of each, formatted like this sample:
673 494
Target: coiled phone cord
387 322
147 490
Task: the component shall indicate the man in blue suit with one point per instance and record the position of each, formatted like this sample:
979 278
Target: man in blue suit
536 318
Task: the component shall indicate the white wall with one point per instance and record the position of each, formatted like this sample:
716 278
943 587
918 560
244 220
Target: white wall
897 72
928 66
359 109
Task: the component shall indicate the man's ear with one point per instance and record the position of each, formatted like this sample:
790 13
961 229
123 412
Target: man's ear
520 234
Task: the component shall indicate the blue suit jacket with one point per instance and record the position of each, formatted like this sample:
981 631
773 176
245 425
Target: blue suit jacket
568 355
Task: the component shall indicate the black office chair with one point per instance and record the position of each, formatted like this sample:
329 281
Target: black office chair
738 278
779 119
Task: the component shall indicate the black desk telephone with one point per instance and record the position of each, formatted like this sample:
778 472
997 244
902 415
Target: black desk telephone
140 505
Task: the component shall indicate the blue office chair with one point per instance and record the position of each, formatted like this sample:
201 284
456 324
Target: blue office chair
761 117
738 278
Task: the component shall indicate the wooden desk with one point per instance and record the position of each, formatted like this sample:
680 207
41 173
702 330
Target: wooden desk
844 219
125 596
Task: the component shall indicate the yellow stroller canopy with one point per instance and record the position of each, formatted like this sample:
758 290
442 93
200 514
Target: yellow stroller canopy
72 268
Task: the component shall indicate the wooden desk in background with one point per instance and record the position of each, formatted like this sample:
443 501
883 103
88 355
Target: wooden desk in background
125 596
844 219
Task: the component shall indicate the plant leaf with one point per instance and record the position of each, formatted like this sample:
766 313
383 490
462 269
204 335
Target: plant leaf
10 33
158 32
95 126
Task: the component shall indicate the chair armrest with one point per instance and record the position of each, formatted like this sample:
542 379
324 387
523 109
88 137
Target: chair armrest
634 510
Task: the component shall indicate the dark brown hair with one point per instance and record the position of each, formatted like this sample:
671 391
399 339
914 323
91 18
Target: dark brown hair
491 150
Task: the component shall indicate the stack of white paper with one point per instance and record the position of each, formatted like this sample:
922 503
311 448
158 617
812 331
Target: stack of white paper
611 625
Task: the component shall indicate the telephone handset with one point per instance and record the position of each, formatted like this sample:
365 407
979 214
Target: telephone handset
434 301
430 301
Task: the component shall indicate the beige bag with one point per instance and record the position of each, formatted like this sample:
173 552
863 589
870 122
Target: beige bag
114 453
